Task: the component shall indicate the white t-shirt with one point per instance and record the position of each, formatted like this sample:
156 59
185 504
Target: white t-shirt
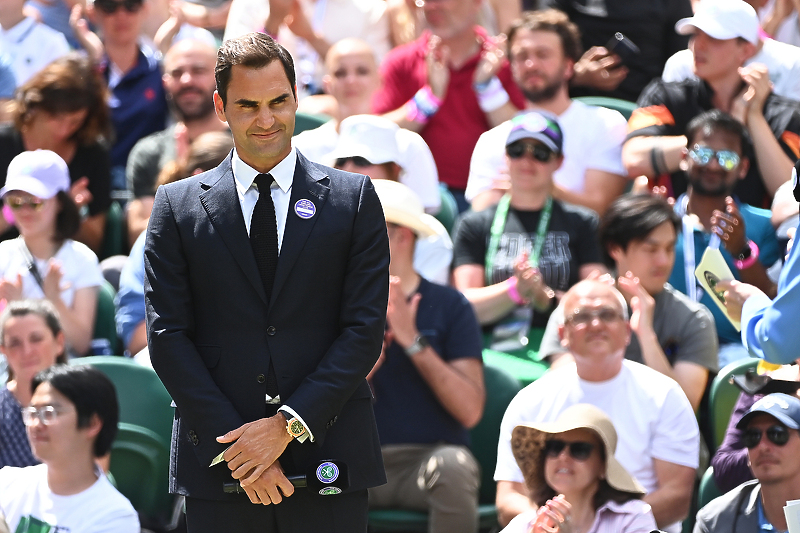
650 412
782 61
26 497
79 268
31 46
593 138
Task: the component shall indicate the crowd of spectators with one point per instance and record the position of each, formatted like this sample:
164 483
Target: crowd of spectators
573 223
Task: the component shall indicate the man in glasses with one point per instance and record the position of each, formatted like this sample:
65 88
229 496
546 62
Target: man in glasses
724 35
773 448
715 162
71 421
658 436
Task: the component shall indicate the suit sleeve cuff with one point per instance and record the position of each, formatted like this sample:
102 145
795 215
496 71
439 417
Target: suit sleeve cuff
292 414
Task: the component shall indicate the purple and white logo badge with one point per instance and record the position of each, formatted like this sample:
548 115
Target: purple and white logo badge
304 209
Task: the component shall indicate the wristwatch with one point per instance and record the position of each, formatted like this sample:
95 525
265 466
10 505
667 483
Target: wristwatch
420 343
294 427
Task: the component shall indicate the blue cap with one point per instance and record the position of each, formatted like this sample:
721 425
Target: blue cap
785 408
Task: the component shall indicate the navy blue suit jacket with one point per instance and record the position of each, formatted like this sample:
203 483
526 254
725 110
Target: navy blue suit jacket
212 333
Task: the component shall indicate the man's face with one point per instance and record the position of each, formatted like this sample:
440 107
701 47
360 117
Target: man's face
60 440
538 64
716 59
650 259
451 18
120 20
260 113
189 81
770 462
712 179
594 328
352 78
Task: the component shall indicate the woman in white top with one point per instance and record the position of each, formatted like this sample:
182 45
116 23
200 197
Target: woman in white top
44 262
574 479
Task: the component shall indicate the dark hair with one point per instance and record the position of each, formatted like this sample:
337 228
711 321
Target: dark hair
68 84
632 217
92 393
207 151
68 219
41 308
253 50
716 120
554 21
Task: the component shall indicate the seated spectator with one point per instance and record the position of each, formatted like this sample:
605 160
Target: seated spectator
64 108
770 434
514 261
647 24
780 19
782 60
71 421
428 382
308 28
30 44
206 152
189 83
133 74
543 48
574 479
450 85
670 332
724 34
715 162
46 262
658 439
31 340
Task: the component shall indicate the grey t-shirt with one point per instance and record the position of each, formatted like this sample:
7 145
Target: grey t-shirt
147 158
684 328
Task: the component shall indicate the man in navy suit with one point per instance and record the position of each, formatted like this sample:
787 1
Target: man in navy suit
270 372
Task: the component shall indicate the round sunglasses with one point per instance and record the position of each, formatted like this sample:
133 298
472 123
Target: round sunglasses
777 434
578 450
703 155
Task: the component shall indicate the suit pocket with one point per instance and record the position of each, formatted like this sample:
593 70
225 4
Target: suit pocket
209 354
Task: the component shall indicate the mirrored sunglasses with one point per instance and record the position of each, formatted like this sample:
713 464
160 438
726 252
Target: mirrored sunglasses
703 155
17 202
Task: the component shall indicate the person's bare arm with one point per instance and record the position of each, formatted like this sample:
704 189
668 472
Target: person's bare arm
511 500
671 501
490 303
138 339
637 154
78 320
492 59
599 190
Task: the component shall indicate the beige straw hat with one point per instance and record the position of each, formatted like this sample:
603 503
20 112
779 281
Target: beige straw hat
402 206
527 443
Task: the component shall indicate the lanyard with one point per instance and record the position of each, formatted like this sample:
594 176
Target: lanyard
499 224
693 290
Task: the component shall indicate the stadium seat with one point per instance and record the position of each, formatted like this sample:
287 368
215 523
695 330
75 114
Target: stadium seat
723 397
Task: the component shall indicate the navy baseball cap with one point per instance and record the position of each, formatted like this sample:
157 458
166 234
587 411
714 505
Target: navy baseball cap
785 408
539 126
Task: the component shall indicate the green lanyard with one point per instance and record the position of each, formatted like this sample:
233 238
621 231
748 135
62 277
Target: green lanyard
499 224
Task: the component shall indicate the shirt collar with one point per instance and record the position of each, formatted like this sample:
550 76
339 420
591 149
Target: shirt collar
282 173
20 30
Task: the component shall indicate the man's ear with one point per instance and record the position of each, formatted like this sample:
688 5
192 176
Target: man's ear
615 251
744 166
94 426
684 164
564 340
219 107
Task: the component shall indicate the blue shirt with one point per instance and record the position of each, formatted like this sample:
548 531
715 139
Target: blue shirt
130 296
8 82
758 229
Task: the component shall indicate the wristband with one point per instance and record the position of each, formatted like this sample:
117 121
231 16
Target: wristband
744 261
491 94
513 293
423 105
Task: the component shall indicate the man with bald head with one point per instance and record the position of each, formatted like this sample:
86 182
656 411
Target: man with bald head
658 434
189 84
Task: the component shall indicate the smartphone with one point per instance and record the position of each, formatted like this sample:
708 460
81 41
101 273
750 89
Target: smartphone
623 47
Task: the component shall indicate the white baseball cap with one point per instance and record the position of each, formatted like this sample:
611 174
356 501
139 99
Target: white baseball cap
722 19
371 137
41 173
402 206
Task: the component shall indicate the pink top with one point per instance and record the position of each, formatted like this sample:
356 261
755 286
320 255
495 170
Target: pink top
633 516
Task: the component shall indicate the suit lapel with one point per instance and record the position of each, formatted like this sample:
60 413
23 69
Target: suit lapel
309 183
221 202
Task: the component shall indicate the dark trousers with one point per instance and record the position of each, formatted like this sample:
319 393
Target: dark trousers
302 512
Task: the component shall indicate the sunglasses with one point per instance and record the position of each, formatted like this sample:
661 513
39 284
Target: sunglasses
357 161
777 434
703 155
16 202
582 318
539 152
110 7
578 450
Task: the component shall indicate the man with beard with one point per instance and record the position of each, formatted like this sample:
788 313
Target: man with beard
543 48
189 84
714 162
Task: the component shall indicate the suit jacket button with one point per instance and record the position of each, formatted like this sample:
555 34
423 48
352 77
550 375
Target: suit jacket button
261 379
271 331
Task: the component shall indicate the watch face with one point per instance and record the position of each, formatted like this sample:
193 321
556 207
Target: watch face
296 428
